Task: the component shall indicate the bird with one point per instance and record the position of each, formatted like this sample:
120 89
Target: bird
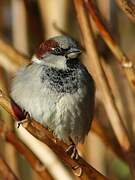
57 90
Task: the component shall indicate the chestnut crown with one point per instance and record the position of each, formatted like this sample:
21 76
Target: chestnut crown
59 46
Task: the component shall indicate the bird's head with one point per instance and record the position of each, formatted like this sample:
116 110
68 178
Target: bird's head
57 51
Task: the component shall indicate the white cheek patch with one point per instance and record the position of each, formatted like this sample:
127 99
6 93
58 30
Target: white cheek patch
52 61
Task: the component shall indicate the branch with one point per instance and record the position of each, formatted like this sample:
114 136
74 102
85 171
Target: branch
35 163
10 58
103 84
5 171
36 25
128 7
94 65
84 170
112 143
108 139
126 64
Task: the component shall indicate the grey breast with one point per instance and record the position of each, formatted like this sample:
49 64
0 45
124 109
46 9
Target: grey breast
62 81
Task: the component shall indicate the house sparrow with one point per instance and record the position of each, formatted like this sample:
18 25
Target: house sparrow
57 90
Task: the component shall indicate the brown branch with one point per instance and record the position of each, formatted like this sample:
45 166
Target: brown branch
112 143
34 21
93 64
121 57
35 163
128 7
10 58
108 139
57 146
11 155
5 171
103 85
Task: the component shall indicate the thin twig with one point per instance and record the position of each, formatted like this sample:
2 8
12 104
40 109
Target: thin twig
93 63
127 156
10 152
126 64
10 58
106 138
20 38
58 15
128 7
35 163
5 171
34 25
84 170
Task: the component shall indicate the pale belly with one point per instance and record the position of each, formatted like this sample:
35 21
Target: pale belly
66 115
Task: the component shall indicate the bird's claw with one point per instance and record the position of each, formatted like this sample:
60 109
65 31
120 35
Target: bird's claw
21 122
27 119
27 115
72 151
77 170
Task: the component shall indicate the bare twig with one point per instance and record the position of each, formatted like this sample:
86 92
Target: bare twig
126 64
128 7
104 86
58 15
80 167
35 163
5 171
127 156
106 138
20 39
99 75
35 25
10 58
11 156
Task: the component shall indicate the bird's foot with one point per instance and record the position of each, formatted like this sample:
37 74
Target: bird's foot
72 151
27 119
21 122
27 115
77 170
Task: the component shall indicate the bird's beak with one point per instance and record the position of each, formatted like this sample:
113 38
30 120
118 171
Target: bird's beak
73 53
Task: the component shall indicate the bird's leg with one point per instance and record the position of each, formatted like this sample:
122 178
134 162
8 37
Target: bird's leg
27 118
72 151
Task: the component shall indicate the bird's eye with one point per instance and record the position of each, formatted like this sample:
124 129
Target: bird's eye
58 51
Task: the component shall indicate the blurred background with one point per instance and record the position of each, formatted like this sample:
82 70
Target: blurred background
24 24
